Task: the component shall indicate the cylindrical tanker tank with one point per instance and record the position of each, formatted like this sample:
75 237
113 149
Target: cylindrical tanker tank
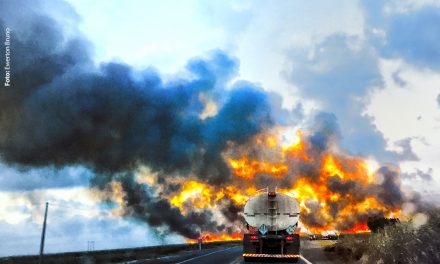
271 219
277 213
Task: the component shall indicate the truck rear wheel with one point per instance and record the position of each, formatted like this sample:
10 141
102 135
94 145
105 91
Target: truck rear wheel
248 260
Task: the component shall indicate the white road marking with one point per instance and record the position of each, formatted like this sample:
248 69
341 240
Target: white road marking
206 255
305 260
237 260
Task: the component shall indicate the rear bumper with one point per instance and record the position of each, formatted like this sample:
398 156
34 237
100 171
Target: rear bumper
271 247
281 256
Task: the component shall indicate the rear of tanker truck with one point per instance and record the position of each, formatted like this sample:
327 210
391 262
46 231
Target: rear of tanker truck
271 220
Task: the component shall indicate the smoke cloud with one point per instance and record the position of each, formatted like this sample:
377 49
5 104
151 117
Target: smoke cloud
64 111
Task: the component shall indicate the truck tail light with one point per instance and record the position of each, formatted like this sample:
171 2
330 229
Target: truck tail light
272 194
289 238
253 237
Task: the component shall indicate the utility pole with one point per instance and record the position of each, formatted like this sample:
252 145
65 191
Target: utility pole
90 245
43 234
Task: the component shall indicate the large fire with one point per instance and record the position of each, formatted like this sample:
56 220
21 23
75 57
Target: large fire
247 169
210 237
318 195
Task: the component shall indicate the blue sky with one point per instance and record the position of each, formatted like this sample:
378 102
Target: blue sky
373 64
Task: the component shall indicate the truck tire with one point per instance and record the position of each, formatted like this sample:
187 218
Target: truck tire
248 260
292 260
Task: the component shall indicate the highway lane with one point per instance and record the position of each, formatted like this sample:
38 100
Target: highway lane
227 255
231 255
311 252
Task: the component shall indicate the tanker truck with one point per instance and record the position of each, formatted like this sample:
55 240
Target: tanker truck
271 220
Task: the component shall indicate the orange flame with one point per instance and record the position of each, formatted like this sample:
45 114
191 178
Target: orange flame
313 192
210 237
358 228
297 148
247 169
197 194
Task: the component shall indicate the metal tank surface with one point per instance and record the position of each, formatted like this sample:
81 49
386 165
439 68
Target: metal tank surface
277 212
271 220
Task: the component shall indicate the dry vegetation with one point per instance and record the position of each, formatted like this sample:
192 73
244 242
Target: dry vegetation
406 242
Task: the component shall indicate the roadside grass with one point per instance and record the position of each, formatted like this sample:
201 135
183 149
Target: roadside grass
407 242
325 243
349 248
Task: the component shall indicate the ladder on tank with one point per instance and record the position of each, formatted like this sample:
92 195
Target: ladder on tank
272 210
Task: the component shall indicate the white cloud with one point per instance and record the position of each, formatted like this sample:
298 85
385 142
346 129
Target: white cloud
406 6
408 108
161 33
276 28
74 217
166 33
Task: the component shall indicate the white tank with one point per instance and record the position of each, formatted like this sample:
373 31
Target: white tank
277 211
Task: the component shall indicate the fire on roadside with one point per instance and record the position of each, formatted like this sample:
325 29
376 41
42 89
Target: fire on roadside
317 195
210 237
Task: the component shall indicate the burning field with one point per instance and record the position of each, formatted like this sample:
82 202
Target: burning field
334 190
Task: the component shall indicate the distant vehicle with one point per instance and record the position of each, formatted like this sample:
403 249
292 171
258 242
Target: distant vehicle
271 219
330 235
326 235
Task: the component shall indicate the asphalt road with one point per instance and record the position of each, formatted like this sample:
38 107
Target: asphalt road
311 252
